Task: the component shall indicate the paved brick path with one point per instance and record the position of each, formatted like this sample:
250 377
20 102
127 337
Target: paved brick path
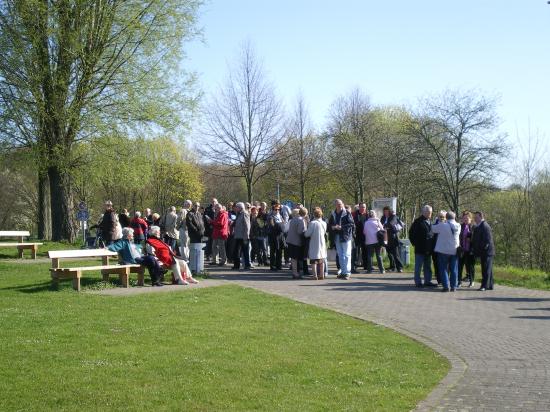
498 342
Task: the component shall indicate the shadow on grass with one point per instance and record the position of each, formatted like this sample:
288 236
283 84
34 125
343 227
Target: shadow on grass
40 287
65 284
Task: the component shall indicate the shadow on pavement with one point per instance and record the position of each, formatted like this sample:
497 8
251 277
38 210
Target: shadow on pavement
531 317
508 299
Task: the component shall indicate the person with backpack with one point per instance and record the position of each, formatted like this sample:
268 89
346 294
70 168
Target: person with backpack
392 225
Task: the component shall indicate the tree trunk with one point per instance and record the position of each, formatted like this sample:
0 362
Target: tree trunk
44 208
249 190
61 205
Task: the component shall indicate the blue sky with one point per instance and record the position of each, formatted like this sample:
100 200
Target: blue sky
396 51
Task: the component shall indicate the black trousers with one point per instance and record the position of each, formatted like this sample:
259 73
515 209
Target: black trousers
152 266
469 261
393 256
436 268
374 249
275 253
241 247
487 272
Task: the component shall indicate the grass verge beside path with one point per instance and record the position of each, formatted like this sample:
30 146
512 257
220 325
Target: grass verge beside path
222 348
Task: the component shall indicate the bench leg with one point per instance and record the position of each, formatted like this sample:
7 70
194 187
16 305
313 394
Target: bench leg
20 252
125 278
34 250
141 276
76 281
55 280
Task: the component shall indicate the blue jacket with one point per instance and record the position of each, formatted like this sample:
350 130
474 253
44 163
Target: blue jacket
123 248
347 223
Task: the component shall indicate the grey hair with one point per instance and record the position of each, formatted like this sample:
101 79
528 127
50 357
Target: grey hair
426 208
172 208
137 214
372 213
442 214
187 203
451 215
240 205
295 212
126 231
154 230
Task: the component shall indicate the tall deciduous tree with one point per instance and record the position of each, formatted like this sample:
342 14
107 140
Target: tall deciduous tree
351 128
459 131
303 161
70 69
243 123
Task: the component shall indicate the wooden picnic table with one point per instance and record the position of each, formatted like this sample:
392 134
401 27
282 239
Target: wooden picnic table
106 269
21 245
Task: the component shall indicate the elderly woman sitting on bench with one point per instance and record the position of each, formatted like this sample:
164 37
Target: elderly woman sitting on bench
130 254
161 250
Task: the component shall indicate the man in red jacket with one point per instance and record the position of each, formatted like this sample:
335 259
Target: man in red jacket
156 247
220 233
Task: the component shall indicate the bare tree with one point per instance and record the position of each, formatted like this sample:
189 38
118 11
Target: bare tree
531 166
350 128
305 154
457 130
243 123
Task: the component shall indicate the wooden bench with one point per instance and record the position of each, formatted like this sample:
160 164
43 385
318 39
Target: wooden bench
21 244
75 273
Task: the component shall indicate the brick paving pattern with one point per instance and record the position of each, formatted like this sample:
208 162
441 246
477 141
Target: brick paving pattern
498 341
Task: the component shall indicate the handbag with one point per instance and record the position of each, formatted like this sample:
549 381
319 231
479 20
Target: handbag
382 237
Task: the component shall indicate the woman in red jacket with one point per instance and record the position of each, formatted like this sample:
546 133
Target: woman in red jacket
220 234
156 247
140 227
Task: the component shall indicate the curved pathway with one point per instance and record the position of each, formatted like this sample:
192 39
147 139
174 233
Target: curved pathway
498 341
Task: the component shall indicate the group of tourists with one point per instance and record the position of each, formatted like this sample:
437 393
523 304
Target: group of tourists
244 234
452 247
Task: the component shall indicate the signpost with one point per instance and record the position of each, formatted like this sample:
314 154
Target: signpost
82 215
379 204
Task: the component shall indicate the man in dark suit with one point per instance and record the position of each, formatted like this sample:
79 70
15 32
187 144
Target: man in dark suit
421 237
484 248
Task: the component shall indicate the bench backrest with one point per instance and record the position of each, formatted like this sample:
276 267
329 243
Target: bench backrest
14 233
82 253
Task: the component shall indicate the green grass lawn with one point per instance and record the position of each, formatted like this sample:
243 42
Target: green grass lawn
212 349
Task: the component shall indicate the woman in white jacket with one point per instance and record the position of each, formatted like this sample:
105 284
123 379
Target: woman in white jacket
448 240
317 252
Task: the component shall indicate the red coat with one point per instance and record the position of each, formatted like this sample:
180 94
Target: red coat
140 226
220 226
162 251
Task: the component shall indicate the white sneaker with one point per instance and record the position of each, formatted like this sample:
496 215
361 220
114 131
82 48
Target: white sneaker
192 280
182 282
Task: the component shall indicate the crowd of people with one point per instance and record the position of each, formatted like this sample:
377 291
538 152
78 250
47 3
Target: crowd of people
244 234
